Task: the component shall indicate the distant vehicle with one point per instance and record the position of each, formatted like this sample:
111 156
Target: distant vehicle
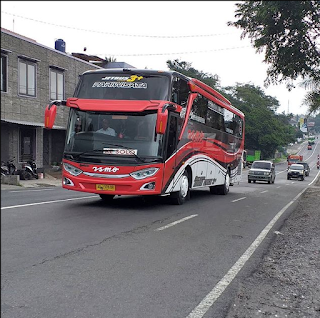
252 155
311 140
309 147
262 170
294 159
306 167
296 171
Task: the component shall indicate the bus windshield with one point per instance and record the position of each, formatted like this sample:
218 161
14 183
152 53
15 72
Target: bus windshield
113 136
123 87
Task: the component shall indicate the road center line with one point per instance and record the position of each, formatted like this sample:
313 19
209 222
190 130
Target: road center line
176 222
200 310
264 191
46 202
239 199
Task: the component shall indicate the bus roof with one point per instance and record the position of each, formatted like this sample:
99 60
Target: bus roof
135 70
169 73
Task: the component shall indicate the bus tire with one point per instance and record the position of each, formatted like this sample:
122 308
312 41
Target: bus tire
179 197
214 190
224 188
106 197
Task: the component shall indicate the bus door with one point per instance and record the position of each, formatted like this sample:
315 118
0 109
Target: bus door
171 140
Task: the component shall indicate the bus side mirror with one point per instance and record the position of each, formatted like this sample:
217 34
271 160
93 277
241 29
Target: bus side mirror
162 119
50 116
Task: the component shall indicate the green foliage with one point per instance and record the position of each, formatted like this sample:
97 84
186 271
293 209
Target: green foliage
287 31
299 134
312 98
110 59
264 129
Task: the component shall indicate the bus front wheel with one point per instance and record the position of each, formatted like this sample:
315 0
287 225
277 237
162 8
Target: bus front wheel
183 194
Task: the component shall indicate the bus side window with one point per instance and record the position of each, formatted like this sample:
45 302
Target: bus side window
180 91
175 90
184 93
172 136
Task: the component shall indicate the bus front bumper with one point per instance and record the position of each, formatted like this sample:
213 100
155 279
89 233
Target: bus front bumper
148 186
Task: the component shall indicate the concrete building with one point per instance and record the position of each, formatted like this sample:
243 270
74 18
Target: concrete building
32 75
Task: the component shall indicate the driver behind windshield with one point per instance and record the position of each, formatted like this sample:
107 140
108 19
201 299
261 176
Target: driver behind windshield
106 129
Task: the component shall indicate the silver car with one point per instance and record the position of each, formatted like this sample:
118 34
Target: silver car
296 171
262 170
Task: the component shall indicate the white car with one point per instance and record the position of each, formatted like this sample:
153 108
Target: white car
296 171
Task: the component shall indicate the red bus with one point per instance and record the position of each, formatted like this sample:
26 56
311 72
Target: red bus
147 132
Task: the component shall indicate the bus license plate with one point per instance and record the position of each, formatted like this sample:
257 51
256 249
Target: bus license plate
106 187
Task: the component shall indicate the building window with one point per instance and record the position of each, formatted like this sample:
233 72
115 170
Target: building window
4 72
56 84
27 78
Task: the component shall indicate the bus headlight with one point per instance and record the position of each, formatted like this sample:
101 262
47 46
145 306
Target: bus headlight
72 169
145 173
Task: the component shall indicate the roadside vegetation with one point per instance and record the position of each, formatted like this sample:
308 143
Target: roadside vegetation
287 32
264 128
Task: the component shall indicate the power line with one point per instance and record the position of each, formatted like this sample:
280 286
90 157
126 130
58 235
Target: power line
172 53
117 34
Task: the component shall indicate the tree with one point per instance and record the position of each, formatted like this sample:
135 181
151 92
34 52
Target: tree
289 32
186 68
312 98
264 129
110 59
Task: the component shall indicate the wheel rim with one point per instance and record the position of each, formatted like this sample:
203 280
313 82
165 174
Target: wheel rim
184 186
227 182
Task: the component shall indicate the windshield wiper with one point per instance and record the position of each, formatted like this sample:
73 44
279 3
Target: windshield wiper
123 147
78 155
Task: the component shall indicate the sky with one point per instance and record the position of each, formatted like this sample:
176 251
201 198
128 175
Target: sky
145 34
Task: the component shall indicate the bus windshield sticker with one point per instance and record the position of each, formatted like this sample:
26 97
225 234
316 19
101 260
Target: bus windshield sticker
116 151
120 85
132 78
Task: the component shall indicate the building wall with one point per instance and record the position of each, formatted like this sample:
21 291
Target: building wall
30 110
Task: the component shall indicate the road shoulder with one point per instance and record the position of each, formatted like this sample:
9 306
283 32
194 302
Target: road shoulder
286 282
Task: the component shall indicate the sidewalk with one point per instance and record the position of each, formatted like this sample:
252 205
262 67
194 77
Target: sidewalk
50 180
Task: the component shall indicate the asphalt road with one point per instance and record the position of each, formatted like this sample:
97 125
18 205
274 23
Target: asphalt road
67 254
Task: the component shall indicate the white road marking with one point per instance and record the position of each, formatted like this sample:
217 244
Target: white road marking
264 191
238 199
45 202
278 187
176 222
32 190
315 178
200 310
